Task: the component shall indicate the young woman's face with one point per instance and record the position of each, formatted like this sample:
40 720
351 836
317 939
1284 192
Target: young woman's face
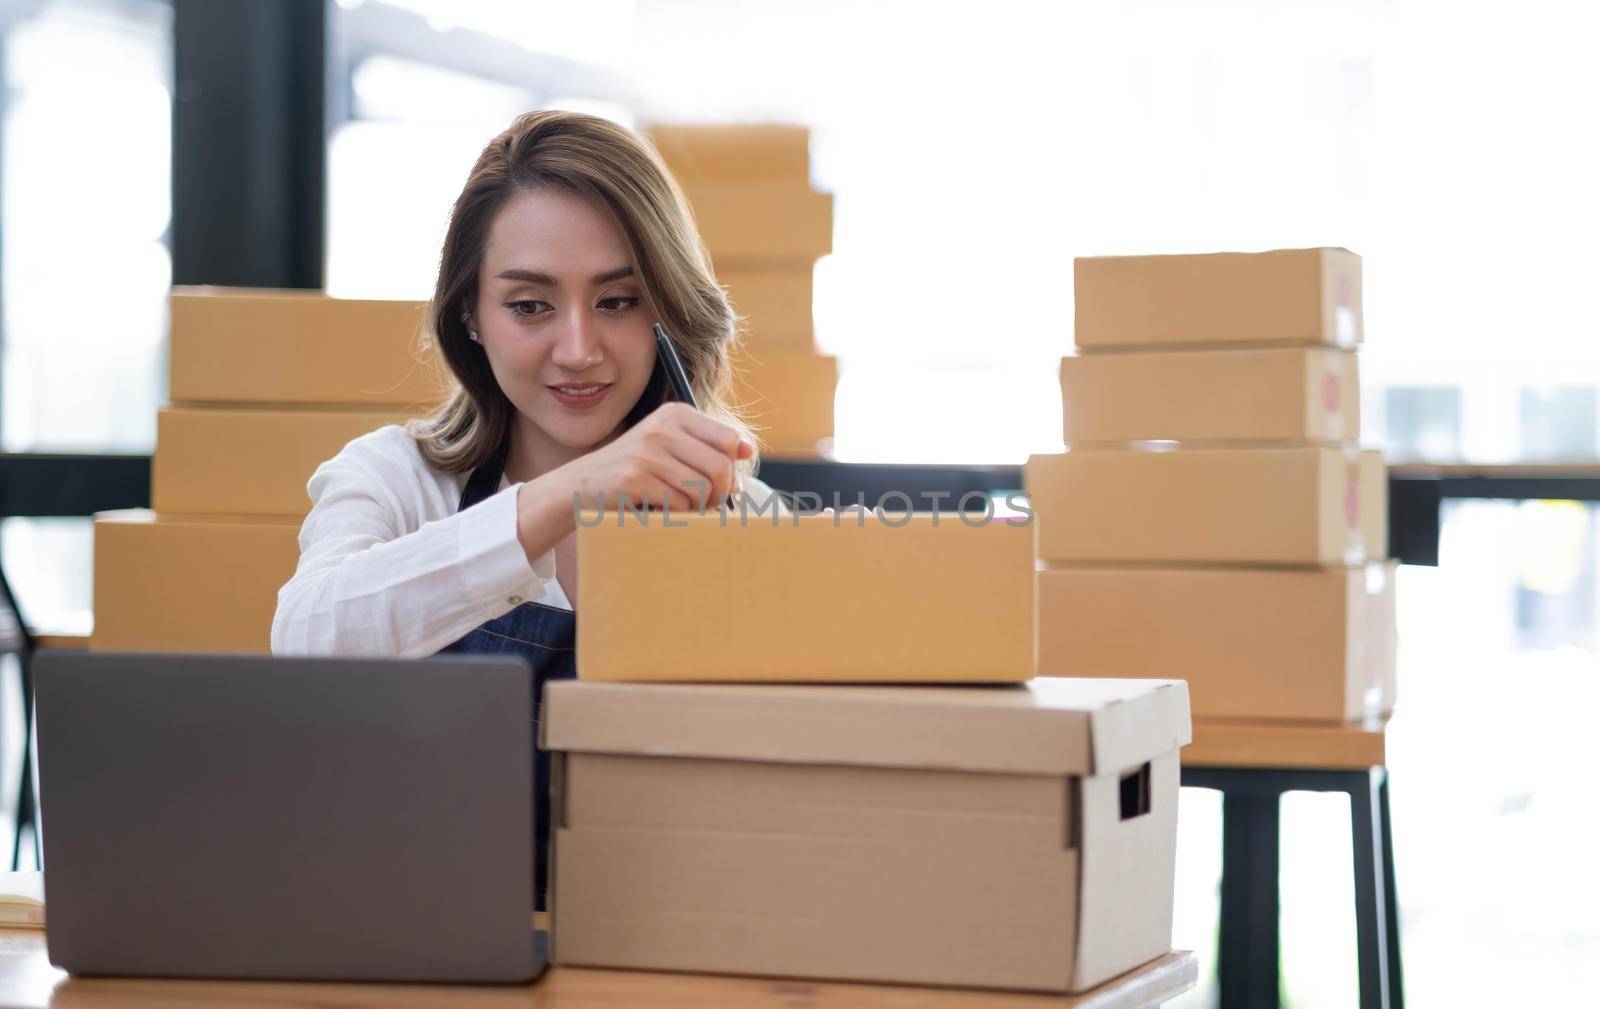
562 317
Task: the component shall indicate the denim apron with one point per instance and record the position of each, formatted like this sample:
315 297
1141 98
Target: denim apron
546 636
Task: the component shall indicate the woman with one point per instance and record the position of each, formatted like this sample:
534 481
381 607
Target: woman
457 534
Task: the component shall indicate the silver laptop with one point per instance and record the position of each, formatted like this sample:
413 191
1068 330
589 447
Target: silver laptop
252 817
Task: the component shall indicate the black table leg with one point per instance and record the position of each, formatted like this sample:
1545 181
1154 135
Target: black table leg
1372 942
1247 941
1397 998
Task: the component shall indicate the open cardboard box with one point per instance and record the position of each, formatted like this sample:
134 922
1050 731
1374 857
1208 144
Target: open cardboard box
1007 837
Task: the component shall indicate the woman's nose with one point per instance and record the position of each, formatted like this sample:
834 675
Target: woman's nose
577 344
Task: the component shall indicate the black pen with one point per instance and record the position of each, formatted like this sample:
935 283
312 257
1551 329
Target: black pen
677 378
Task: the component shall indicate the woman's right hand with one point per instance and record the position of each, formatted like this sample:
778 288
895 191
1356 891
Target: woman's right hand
676 455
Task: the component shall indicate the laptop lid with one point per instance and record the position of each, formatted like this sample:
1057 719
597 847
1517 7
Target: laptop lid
310 818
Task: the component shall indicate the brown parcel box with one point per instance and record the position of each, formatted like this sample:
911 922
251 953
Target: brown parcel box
761 150
1254 643
166 583
775 303
1006 837
1287 296
232 345
247 462
801 597
1303 505
787 394
749 222
1271 394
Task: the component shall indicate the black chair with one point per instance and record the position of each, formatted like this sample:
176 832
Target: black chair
16 639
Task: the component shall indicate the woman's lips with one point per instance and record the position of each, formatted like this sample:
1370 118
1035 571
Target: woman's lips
580 395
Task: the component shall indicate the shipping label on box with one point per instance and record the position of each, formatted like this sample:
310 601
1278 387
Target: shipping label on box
234 345
188 584
1008 837
248 462
1253 643
804 597
1234 395
1302 506
1290 296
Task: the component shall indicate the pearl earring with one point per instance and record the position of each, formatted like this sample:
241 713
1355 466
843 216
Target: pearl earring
472 334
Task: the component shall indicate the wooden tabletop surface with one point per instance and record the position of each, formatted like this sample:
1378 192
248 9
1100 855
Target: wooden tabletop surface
1268 744
27 981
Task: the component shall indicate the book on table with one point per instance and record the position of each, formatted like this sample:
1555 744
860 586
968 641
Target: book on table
22 899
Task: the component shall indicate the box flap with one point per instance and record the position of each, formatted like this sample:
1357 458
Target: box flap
1049 725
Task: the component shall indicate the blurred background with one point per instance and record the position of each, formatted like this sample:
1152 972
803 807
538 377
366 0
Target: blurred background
973 151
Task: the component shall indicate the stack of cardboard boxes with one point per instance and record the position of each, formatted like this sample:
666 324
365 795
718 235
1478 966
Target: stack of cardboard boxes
1015 835
1212 518
264 386
750 190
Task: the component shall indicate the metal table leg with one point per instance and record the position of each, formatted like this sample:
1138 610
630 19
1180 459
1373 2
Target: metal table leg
1372 943
1391 904
1247 941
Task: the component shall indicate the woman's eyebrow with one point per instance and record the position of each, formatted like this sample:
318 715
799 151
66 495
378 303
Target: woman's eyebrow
535 277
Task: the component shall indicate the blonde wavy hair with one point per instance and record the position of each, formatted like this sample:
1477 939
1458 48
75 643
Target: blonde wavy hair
623 175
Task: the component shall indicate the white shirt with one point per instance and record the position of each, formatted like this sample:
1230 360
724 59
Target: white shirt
389 567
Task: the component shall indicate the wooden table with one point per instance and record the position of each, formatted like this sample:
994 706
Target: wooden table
1252 765
27 981
1284 744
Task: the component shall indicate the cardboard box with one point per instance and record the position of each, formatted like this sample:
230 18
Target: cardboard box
760 222
775 304
1277 394
1007 837
1289 296
804 597
247 462
234 345
164 583
1299 505
1370 503
762 150
1253 643
787 395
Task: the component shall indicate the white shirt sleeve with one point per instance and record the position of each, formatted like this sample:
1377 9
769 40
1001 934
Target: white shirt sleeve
370 581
